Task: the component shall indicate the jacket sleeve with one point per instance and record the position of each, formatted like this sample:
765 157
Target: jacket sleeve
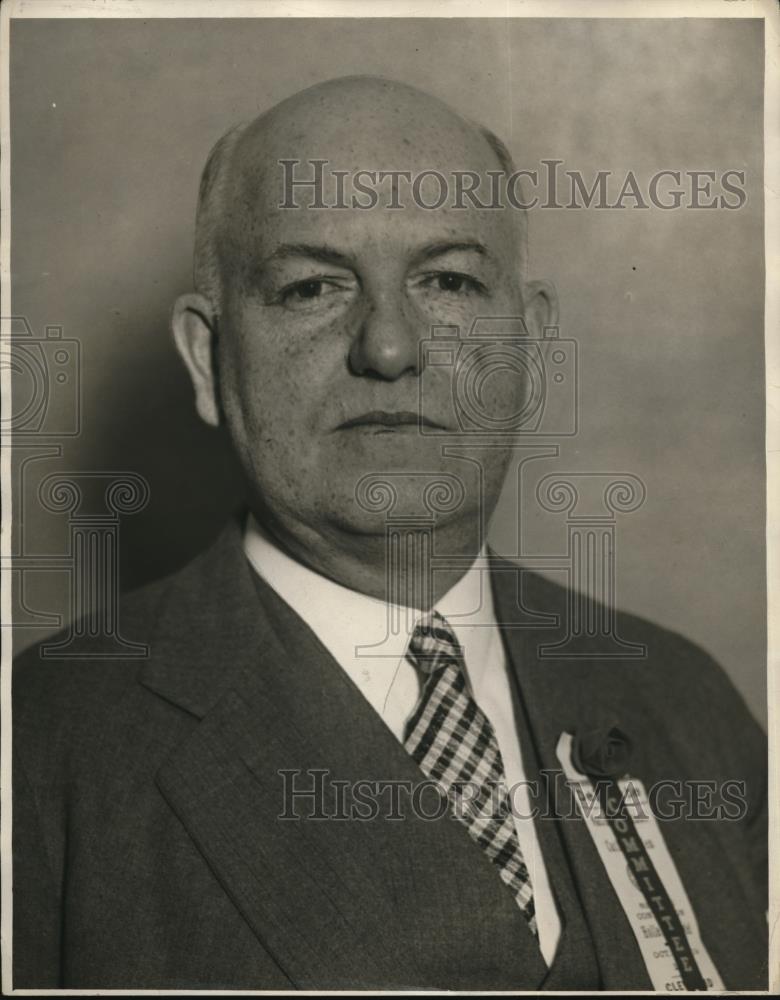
36 897
756 824
742 743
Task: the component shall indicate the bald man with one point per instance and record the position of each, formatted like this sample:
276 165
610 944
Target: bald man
344 764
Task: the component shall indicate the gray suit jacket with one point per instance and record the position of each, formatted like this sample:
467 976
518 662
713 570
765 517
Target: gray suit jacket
148 852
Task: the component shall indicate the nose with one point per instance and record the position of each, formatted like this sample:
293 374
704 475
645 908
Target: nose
387 344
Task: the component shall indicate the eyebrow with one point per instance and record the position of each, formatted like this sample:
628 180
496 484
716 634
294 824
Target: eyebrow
330 255
313 251
452 246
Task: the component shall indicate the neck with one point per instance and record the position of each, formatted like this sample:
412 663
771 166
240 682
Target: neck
396 569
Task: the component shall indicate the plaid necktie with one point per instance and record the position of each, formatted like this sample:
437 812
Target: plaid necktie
453 743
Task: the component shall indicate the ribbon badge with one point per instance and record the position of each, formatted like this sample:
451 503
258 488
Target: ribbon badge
617 814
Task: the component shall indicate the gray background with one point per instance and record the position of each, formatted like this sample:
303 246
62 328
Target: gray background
111 121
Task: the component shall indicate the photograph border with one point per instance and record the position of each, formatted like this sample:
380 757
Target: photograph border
767 10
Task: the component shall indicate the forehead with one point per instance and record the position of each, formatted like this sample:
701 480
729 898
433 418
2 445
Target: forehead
425 145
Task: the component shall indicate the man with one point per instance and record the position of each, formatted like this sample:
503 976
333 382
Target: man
203 821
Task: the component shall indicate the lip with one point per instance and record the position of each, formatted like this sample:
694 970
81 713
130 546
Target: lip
388 420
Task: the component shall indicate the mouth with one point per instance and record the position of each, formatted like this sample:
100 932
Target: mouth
384 421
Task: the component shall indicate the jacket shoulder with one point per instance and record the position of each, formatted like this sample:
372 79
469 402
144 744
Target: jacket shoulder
41 673
67 707
671 668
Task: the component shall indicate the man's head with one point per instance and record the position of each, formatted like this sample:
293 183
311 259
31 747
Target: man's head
306 334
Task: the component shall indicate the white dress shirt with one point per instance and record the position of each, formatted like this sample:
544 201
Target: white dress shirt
354 629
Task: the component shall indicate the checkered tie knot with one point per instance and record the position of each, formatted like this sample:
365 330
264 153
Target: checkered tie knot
453 743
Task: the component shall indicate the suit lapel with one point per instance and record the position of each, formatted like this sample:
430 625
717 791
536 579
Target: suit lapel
339 902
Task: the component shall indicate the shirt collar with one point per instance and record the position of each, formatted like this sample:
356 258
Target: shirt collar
352 625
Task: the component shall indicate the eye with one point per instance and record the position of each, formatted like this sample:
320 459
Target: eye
454 283
451 282
311 289
308 292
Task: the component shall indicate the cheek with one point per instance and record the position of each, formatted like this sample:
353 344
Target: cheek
511 390
278 383
492 386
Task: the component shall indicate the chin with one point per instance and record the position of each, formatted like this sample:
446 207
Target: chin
396 453
400 500
407 481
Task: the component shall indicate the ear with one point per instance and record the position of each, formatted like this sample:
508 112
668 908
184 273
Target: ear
540 306
195 333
